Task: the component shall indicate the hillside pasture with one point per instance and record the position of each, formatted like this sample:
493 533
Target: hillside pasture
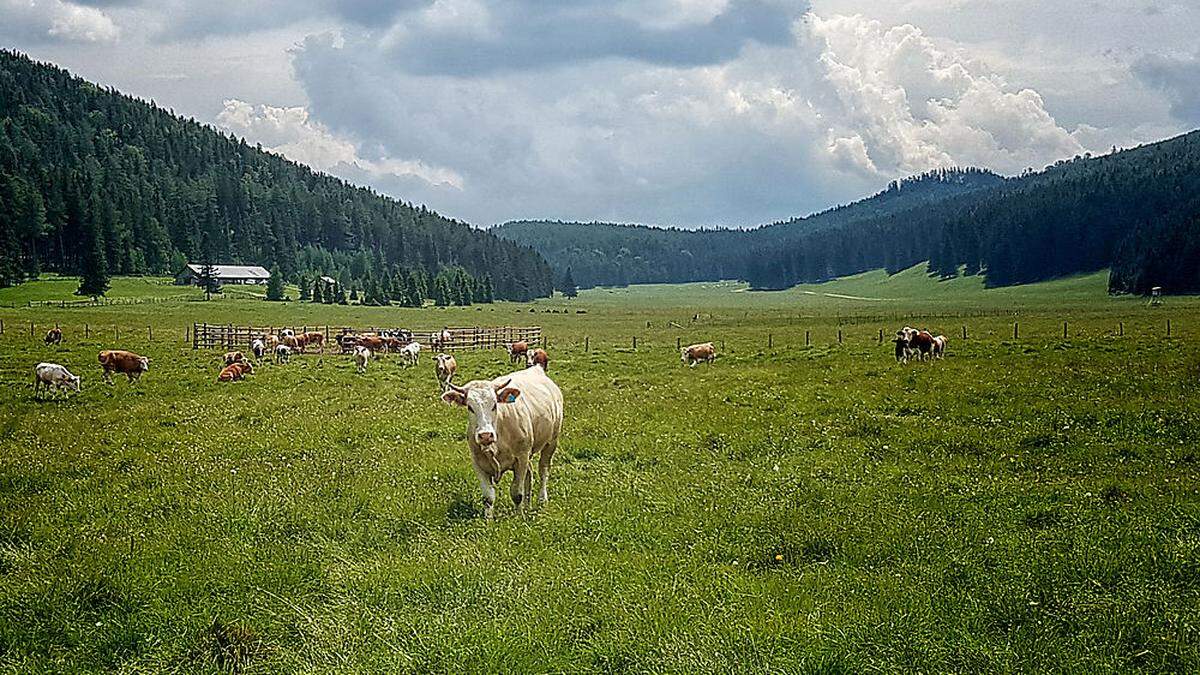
1023 504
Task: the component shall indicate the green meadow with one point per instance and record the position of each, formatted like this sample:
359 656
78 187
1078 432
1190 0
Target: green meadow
805 504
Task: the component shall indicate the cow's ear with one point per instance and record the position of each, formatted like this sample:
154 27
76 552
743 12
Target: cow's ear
508 394
452 397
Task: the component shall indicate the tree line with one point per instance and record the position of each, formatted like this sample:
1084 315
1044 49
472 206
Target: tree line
96 183
1135 212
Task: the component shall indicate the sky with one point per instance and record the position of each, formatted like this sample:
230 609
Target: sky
672 112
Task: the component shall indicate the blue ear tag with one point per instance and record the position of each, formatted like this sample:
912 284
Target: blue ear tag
511 398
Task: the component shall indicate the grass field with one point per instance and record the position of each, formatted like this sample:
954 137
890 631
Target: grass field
1024 504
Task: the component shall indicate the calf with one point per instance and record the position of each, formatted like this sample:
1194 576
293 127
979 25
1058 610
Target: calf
54 336
537 357
259 348
509 420
517 351
693 354
234 357
445 367
235 371
283 353
411 353
121 361
362 356
47 375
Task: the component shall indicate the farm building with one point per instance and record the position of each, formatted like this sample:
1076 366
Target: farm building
226 274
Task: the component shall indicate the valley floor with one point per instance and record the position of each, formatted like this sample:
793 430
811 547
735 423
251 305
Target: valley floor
804 503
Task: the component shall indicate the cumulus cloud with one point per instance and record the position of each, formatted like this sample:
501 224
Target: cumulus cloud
55 20
1178 77
915 106
291 133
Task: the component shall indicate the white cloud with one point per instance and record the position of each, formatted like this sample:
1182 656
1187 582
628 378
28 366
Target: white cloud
55 20
290 132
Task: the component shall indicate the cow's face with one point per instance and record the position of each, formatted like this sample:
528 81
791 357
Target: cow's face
481 401
683 354
75 382
144 363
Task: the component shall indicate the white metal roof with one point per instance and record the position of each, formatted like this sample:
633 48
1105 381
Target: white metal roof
234 271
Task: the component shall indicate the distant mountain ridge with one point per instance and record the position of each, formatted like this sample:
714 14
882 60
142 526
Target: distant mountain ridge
1136 212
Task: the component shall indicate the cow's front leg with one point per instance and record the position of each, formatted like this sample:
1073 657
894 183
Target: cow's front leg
487 484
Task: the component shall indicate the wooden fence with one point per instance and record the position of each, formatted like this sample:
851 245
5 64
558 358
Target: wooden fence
231 336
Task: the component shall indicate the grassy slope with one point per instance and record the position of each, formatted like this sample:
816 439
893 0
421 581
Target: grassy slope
1020 504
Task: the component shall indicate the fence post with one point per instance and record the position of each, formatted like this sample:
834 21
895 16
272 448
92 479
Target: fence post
678 346
1168 328
1 326
150 333
806 338
1121 328
880 336
964 331
722 345
86 331
117 330
635 342
30 329
1064 330
770 341
1015 330
839 336
587 344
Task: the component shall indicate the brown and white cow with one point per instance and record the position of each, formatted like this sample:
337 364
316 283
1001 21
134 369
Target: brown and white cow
939 346
53 375
509 420
316 339
373 342
692 354
54 336
922 342
537 357
517 351
301 341
235 371
234 357
445 366
121 361
291 342
271 341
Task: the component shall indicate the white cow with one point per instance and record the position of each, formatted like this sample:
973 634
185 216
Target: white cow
509 420
411 353
283 353
362 356
46 375
259 348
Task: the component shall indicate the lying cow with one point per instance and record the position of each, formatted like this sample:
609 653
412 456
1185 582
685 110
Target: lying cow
445 367
121 361
517 351
283 353
235 371
47 375
54 336
704 352
537 357
234 357
411 353
362 356
511 419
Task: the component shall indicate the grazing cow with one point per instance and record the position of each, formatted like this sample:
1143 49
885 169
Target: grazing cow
121 361
362 356
47 375
291 343
283 353
509 420
693 354
316 339
271 341
537 357
445 367
54 336
301 342
517 351
411 353
235 371
939 346
259 348
234 357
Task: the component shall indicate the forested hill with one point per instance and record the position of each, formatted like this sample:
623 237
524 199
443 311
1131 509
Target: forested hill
601 254
89 176
1135 211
